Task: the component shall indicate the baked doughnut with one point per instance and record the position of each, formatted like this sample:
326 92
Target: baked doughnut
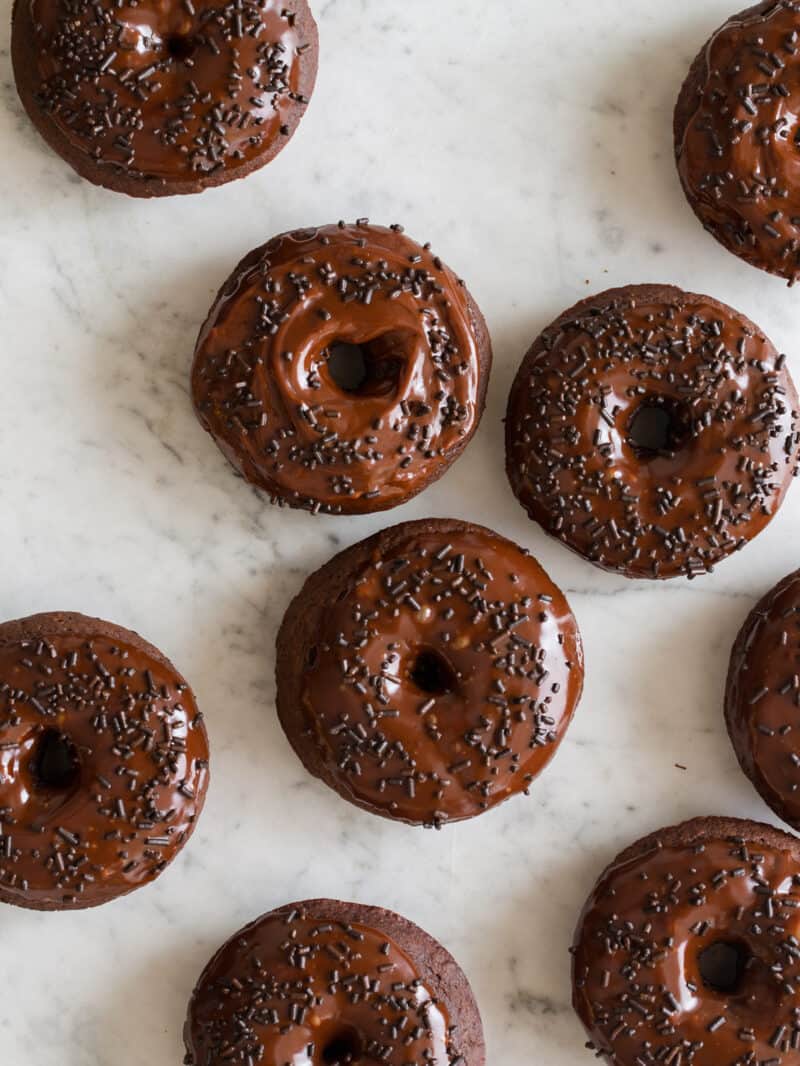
103 762
155 97
653 431
735 136
763 696
324 983
686 952
342 369
429 672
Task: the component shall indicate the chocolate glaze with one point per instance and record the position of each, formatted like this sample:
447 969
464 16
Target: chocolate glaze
641 968
736 145
121 800
322 983
154 98
263 388
729 455
763 696
430 672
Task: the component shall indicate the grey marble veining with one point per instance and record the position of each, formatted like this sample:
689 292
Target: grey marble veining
531 143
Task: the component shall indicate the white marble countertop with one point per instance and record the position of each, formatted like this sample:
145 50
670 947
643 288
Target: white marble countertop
531 143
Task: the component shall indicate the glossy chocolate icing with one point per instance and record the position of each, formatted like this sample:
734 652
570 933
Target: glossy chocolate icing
262 385
738 153
109 813
640 964
302 986
171 91
763 697
442 668
732 443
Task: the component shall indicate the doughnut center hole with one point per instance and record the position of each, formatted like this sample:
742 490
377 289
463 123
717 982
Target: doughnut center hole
343 1047
657 426
432 673
180 46
347 365
55 763
723 966
370 369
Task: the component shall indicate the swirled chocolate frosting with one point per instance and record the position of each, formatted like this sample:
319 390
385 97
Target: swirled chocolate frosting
267 378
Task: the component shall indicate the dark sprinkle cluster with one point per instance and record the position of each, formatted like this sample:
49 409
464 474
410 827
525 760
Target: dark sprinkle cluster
724 466
120 818
315 436
483 726
741 148
155 104
641 975
292 976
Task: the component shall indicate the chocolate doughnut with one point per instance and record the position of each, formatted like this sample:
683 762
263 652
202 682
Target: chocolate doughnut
687 951
103 762
763 696
325 983
429 672
342 369
653 431
156 97
735 136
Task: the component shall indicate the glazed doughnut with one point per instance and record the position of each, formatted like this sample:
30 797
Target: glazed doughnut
686 953
763 696
653 431
429 672
155 97
103 762
342 369
324 983
735 137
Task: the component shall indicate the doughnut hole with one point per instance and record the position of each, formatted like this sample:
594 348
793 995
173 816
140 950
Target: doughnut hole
724 965
343 1046
180 46
658 426
432 674
55 764
369 369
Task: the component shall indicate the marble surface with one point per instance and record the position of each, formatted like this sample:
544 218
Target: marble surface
532 145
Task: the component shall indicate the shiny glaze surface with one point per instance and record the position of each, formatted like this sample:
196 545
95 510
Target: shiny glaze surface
142 757
172 90
262 386
763 697
512 660
640 990
738 159
730 458
294 985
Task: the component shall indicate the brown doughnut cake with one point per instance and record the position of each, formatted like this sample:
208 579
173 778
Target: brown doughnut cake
325 983
156 97
735 136
342 369
687 951
763 697
429 672
103 762
653 431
